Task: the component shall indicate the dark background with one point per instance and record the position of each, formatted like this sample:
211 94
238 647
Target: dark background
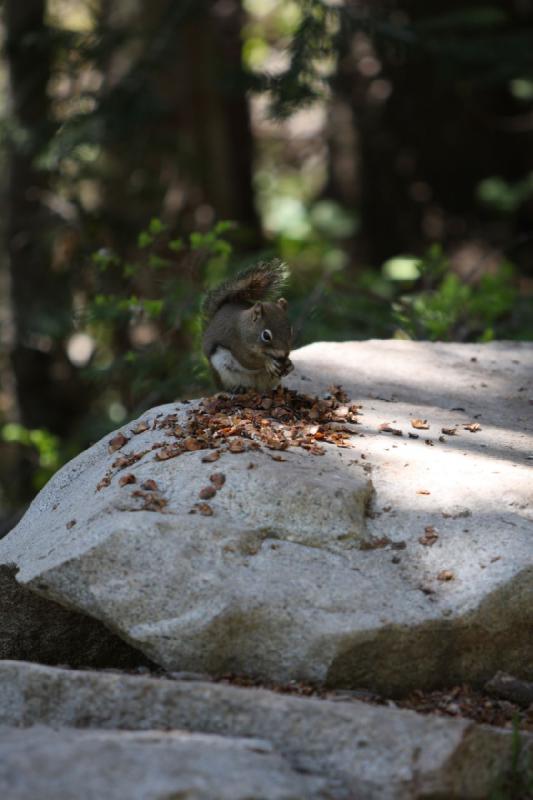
384 149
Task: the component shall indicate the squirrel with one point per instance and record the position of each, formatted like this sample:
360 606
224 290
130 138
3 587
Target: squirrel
247 337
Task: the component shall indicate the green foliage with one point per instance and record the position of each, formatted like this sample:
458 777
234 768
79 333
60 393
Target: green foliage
418 298
312 41
211 242
145 318
477 45
503 196
44 449
445 307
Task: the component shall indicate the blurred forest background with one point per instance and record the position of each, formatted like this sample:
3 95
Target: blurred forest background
383 148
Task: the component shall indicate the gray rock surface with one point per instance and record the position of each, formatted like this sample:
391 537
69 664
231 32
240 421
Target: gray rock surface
288 580
155 765
345 749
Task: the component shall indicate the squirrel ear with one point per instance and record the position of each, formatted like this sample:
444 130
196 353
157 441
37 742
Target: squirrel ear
282 303
257 311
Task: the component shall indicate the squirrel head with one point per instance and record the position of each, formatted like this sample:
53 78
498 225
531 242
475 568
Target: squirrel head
267 331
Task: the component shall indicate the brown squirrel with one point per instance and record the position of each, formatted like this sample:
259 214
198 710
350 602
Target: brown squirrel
247 338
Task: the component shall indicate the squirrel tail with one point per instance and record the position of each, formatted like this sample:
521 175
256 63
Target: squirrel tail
259 282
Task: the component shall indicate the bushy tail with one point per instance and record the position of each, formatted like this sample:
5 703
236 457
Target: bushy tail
260 282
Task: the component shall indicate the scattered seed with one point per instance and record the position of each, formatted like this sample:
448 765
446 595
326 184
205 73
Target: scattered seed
127 460
168 452
430 536
210 457
237 446
421 424
376 543
117 442
218 479
386 427
152 501
192 444
141 427
445 575
204 509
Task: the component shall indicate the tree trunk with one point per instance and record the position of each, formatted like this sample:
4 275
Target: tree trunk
428 132
44 382
185 119
177 139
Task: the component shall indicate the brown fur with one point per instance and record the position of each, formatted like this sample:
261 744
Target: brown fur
260 282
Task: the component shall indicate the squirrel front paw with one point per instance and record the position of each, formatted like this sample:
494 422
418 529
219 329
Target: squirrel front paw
282 366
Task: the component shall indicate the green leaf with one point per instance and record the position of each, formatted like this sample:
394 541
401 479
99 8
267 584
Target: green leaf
129 270
145 239
156 227
105 258
222 248
153 307
505 197
176 245
197 240
223 226
156 262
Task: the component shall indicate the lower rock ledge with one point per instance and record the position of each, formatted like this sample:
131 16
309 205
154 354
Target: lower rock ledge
329 749
154 765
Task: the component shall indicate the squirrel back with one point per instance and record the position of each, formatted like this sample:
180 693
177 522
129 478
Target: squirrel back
258 282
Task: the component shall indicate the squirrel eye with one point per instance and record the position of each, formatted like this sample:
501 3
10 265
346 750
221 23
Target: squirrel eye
266 335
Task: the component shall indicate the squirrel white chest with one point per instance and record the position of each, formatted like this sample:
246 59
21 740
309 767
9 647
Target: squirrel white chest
234 376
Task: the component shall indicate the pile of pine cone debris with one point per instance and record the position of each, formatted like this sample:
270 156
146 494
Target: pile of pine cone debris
251 421
235 424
